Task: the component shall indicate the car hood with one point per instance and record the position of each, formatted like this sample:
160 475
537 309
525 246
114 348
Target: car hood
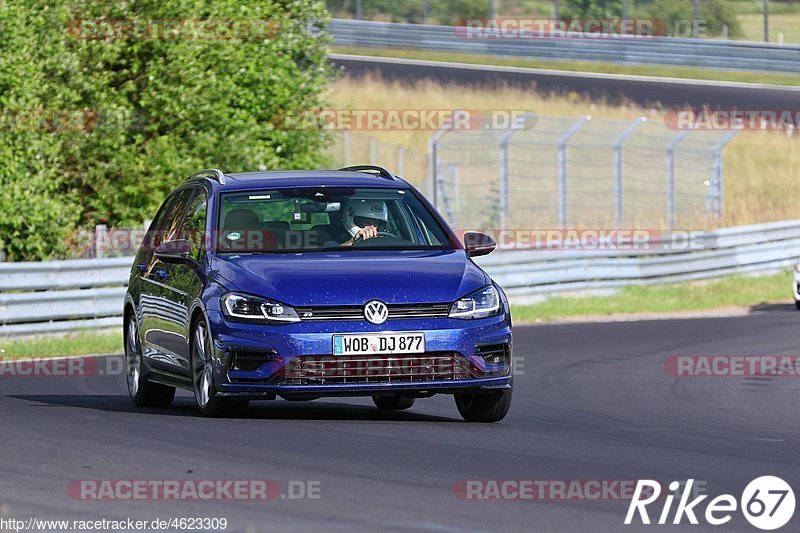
353 277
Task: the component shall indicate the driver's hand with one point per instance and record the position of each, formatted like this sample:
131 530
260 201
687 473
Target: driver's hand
367 232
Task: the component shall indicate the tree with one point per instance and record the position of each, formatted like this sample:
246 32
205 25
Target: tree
154 90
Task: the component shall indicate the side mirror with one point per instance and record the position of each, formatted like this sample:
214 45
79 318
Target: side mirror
176 251
478 244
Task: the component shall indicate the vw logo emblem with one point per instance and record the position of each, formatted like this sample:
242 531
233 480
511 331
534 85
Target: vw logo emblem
376 312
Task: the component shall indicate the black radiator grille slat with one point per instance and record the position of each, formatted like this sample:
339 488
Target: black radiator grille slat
310 370
356 312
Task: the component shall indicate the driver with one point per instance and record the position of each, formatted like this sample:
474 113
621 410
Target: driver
364 219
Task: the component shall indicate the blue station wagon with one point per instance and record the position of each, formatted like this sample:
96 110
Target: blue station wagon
309 284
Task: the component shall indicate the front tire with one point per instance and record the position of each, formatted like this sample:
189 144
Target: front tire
393 403
143 393
797 304
208 402
484 406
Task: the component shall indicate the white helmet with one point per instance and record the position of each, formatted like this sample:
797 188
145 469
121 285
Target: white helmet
375 209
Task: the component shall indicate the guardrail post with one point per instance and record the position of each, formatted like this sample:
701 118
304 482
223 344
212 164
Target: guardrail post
562 167
714 196
671 177
100 240
618 142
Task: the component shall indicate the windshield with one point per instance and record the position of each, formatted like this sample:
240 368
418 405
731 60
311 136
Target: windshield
326 218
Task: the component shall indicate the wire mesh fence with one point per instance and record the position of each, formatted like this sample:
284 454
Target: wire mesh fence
580 172
559 172
350 148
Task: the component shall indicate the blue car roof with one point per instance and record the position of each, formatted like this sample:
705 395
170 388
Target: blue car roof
307 178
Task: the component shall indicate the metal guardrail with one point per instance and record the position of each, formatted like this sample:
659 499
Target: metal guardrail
716 54
82 294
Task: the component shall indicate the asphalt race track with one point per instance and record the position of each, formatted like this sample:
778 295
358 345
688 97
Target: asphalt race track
643 90
593 402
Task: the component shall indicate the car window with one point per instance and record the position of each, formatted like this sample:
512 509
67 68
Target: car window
325 218
155 231
193 227
174 217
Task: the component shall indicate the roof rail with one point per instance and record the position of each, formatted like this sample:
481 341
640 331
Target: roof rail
371 169
212 173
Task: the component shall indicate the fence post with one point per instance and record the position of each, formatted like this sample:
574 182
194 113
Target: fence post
714 196
372 142
504 192
618 142
671 177
400 160
503 179
562 167
346 147
433 159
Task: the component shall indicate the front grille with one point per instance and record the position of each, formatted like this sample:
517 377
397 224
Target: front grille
356 312
319 370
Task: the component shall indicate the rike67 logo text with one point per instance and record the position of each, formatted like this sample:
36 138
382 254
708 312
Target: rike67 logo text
767 503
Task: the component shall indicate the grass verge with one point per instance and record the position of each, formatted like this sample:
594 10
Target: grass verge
731 291
661 71
80 343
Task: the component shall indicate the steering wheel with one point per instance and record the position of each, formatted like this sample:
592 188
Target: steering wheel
377 234
384 236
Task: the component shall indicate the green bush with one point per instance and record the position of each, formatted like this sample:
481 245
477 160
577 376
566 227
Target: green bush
677 16
138 115
441 12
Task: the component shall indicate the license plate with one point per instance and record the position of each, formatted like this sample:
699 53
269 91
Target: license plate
379 343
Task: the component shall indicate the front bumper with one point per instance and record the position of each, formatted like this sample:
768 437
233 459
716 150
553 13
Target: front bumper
796 284
256 360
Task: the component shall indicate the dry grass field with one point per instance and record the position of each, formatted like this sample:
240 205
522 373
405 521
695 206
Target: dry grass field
761 168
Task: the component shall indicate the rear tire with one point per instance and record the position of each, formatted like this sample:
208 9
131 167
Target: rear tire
393 403
484 406
208 402
143 393
797 304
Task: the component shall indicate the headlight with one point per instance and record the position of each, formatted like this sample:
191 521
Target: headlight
479 304
246 307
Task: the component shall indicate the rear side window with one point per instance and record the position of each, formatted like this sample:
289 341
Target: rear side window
166 222
174 217
193 227
155 231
